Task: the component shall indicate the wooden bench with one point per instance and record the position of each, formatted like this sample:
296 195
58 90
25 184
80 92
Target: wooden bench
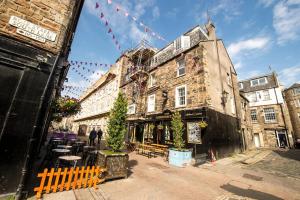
144 149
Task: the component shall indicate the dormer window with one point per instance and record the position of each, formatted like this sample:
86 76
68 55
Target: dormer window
183 42
257 82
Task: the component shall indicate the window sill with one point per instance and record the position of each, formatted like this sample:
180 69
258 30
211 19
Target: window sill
271 122
180 75
180 106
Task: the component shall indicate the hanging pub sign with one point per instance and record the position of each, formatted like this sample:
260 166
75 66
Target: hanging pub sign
31 30
194 133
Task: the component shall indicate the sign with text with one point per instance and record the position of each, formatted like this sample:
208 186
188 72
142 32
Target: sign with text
194 133
31 30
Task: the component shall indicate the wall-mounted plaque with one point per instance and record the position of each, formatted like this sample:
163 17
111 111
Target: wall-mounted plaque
31 30
194 133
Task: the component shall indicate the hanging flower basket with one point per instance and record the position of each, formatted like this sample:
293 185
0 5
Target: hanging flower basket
203 124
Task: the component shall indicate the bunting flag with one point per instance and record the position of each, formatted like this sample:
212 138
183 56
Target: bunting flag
97 5
110 31
149 31
81 63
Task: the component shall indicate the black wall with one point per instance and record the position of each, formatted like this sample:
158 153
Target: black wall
24 72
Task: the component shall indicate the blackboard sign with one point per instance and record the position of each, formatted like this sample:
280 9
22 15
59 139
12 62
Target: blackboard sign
194 133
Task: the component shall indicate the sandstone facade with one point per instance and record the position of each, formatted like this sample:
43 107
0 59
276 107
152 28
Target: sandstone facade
292 98
53 15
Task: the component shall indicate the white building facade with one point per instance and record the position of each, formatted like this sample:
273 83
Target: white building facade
96 104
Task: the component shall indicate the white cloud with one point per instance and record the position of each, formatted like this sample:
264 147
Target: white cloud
123 27
248 74
155 12
225 9
172 13
289 76
244 46
266 3
286 20
238 65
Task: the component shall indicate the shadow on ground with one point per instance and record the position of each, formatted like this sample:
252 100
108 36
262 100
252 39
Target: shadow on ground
250 193
290 154
131 165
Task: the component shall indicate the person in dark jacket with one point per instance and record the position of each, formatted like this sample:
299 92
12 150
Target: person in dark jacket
99 133
92 137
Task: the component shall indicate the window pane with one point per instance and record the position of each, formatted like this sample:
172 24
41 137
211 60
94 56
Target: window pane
269 115
181 67
181 96
266 94
262 81
253 115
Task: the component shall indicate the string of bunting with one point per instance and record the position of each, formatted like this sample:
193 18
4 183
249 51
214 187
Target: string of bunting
109 29
86 69
73 88
82 76
148 30
71 92
97 64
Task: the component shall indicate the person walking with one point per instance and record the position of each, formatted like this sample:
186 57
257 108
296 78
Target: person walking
99 133
92 137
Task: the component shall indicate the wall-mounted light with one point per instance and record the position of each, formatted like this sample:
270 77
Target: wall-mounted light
224 97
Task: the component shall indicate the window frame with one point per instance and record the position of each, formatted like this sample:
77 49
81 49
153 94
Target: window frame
134 109
252 116
148 101
241 84
296 91
269 113
178 67
177 100
258 82
264 95
152 81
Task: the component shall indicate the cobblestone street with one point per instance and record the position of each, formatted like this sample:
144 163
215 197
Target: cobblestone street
284 163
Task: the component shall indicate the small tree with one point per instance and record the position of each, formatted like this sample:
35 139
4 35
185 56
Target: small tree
117 124
177 127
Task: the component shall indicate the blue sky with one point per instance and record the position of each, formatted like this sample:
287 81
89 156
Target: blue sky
257 33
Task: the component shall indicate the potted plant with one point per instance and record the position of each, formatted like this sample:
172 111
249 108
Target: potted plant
203 124
115 160
179 156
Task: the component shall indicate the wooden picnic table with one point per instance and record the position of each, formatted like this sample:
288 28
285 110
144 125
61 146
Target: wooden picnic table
70 159
64 146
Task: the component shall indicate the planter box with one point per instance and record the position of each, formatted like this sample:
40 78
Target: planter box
180 158
116 164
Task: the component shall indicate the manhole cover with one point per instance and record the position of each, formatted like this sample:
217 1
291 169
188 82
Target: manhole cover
253 177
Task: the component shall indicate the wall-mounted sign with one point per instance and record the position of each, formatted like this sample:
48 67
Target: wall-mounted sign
194 133
31 30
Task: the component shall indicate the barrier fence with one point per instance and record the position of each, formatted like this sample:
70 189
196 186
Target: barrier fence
54 181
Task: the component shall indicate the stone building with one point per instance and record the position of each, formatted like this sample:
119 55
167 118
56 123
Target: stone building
246 124
193 75
269 114
97 102
292 98
35 39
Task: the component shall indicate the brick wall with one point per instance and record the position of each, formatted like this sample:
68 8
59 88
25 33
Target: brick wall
53 15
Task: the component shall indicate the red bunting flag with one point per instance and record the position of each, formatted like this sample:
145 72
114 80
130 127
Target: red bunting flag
106 23
101 15
114 37
97 5
117 9
109 30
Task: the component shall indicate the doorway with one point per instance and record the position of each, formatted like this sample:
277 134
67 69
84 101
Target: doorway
256 140
281 139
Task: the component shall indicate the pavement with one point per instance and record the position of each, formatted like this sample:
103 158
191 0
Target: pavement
241 176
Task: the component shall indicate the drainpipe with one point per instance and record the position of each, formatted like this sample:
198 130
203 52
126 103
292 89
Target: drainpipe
220 72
